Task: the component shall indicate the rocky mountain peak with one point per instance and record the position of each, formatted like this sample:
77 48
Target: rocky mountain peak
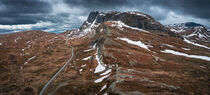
114 15
133 19
185 26
192 24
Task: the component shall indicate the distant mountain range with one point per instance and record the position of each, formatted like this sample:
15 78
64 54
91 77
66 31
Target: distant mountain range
113 53
41 26
190 30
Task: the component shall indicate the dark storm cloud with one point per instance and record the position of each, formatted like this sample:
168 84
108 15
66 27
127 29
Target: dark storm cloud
33 11
25 6
97 4
196 8
22 11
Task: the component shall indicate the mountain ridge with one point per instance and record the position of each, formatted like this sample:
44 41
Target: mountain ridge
194 31
133 19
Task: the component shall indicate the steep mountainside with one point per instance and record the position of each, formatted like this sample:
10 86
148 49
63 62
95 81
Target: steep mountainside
114 53
192 31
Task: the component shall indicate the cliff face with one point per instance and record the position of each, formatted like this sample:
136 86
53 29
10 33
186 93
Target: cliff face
134 19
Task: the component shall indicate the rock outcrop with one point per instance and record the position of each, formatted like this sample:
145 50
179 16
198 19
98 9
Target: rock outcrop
134 19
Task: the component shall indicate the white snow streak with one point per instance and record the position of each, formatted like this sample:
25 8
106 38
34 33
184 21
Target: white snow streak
168 45
107 72
139 14
99 67
186 55
138 43
120 25
101 79
101 30
87 50
185 48
196 44
104 87
30 59
80 70
86 29
86 58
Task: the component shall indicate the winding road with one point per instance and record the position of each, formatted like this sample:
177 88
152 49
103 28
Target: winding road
59 71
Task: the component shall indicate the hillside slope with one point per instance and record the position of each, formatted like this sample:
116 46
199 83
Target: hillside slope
115 53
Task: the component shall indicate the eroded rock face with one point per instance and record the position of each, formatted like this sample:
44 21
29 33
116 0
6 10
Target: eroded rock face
134 19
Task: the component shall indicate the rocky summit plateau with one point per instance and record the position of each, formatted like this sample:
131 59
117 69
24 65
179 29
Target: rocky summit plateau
113 53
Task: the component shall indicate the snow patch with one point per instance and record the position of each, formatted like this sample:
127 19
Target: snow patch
28 42
150 46
106 72
168 45
196 44
138 43
80 70
99 67
101 79
139 14
185 48
104 87
94 46
86 58
101 30
26 48
17 39
191 35
198 34
83 65
88 28
201 35
30 59
178 28
81 33
21 67
186 55
120 25
178 31
87 50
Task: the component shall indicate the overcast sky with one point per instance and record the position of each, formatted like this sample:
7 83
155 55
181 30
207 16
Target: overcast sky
13 12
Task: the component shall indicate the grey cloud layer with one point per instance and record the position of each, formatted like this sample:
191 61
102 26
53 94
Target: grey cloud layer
32 11
198 8
97 4
23 11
